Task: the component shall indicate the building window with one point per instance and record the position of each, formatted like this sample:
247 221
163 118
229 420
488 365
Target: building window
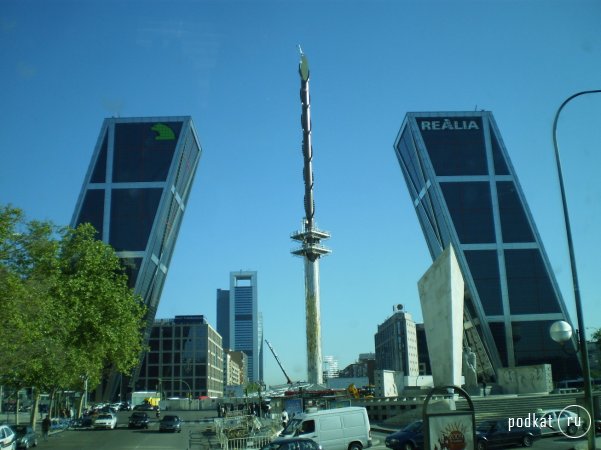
470 206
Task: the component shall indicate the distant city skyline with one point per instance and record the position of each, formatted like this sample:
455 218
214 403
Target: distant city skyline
233 67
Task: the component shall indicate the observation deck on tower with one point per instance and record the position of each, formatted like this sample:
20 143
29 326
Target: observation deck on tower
310 238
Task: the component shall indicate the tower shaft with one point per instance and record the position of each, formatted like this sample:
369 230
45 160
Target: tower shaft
310 237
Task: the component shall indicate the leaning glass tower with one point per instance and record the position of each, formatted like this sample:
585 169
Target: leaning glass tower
466 193
135 193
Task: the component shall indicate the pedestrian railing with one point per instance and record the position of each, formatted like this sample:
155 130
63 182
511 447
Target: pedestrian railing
244 432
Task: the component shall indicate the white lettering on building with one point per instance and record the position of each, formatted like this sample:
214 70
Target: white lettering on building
447 124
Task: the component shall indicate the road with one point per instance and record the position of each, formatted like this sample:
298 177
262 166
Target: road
546 443
123 438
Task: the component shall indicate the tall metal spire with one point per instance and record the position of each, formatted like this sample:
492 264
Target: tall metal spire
310 237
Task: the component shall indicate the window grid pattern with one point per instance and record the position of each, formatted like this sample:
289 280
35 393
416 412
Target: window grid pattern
465 192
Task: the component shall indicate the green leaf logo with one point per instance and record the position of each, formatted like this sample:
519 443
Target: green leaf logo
164 133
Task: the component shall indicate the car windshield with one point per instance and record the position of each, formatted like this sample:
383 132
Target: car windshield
20 429
414 427
105 416
291 428
170 419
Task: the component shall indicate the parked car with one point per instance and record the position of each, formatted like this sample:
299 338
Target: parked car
106 420
138 420
293 444
559 421
8 438
170 423
26 436
408 438
496 433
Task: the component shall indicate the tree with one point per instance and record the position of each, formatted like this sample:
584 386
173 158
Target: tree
70 313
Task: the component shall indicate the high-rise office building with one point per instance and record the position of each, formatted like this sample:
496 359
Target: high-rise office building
223 316
396 344
330 367
135 193
245 322
184 359
466 193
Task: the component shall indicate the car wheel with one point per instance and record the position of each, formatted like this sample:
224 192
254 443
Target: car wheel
527 441
481 445
35 443
26 444
408 446
572 429
355 446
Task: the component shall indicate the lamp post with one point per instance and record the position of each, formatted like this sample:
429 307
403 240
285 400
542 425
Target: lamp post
588 392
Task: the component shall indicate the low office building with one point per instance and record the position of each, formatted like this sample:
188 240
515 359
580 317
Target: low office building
185 359
396 344
233 368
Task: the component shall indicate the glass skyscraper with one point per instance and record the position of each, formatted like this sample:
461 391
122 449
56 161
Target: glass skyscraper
245 321
135 193
466 193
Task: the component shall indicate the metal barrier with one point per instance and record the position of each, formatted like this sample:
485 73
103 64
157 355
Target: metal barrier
247 442
245 432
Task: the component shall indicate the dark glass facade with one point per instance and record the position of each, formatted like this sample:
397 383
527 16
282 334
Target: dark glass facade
466 193
135 194
223 316
245 321
184 358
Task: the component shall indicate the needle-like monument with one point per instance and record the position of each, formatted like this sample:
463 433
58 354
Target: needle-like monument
310 237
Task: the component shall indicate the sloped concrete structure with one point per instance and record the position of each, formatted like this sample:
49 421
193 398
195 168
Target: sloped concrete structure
441 296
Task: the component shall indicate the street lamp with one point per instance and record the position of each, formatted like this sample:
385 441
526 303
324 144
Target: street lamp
561 332
588 392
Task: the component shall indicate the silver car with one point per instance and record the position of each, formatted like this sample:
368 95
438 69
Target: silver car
559 421
8 439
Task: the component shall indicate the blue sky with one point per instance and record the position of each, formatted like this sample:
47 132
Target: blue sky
232 66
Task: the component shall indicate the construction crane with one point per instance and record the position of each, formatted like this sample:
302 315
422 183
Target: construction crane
288 380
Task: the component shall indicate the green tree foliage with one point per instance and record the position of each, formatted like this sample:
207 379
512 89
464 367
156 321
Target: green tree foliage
68 310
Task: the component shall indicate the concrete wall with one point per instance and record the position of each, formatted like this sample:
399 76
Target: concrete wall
441 296
526 379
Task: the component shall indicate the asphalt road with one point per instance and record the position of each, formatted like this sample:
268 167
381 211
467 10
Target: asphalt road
120 438
123 438
546 443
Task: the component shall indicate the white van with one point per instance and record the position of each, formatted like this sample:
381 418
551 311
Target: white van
333 429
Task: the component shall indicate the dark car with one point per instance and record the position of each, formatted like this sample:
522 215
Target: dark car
170 423
293 444
124 406
138 420
144 407
496 433
84 421
26 436
409 438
